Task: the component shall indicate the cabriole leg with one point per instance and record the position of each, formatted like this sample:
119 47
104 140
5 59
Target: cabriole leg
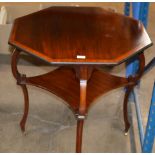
81 116
26 107
79 134
83 74
20 81
134 80
125 109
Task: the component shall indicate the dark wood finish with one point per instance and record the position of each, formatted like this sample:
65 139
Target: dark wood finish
21 81
79 136
68 88
81 84
26 107
129 89
58 35
125 109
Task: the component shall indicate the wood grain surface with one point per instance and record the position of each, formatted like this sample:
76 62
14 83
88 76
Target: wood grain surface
60 34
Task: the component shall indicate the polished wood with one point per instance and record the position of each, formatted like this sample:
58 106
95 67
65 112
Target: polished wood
79 133
125 109
81 84
21 81
26 107
67 86
60 34
129 89
84 73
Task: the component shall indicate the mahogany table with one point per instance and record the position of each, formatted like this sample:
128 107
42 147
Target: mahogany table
80 40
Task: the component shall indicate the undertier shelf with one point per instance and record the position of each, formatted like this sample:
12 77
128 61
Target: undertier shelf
63 83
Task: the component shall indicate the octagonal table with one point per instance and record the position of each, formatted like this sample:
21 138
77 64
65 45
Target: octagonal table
80 40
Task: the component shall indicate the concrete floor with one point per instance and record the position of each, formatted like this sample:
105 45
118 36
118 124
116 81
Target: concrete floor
51 126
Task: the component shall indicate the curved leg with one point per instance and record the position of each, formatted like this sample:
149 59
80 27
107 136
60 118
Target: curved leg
134 79
79 136
20 81
81 116
84 73
125 109
26 107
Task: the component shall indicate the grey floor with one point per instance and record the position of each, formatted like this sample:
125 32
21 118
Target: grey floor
51 126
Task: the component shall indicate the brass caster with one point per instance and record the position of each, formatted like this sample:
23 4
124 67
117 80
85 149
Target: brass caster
126 133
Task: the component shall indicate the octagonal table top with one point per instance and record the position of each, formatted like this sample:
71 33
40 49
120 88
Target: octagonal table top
79 35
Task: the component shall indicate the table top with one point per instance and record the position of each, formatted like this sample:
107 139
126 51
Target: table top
79 35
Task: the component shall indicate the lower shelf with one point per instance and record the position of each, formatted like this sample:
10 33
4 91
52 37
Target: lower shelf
63 83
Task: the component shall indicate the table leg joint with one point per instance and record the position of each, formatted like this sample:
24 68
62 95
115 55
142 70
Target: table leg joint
21 79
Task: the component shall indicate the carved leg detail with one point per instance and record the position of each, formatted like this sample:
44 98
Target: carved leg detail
125 109
26 107
79 136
